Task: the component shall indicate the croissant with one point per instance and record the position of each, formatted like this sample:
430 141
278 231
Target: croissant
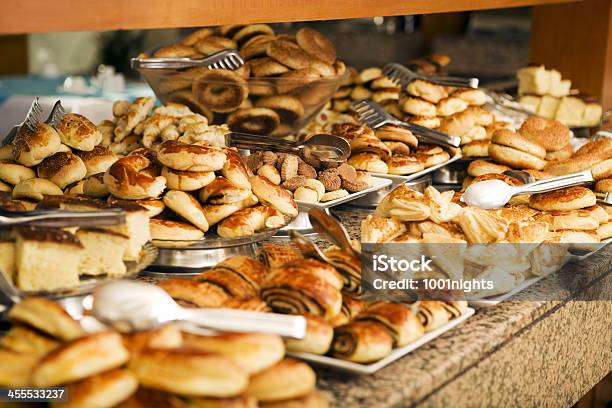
361 342
296 292
248 221
403 326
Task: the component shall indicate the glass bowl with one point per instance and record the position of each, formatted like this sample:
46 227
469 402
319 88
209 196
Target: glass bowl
258 105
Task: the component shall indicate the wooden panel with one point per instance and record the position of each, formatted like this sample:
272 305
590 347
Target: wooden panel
576 39
19 16
15 48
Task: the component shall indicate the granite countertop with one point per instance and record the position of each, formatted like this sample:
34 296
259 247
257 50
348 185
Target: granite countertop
517 353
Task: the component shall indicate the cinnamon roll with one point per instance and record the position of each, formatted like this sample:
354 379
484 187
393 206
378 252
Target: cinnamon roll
361 342
403 326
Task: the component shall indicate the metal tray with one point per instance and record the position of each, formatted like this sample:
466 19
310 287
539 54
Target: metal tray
371 200
396 354
147 257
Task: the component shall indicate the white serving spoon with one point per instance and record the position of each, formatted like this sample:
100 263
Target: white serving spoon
130 305
495 193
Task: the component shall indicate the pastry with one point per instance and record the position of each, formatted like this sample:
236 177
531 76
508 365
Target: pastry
32 147
474 97
253 352
62 168
189 372
432 314
275 256
192 293
404 204
482 167
403 326
480 226
95 353
103 252
417 106
259 121
376 229
562 154
98 160
187 207
404 165
369 162
216 212
605 185
477 148
450 105
20 339
285 380
274 196
190 157
334 195
251 270
78 132
248 221
128 178
567 199
551 134
47 317
14 173
16 368
166 230
187 180
36 189
351 307
106 389
430 122
319 335
231 282
516 151
426 90
317 45
361 342
574 220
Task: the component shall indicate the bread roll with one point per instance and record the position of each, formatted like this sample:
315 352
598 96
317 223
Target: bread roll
361 342
248 221
62 168
128 178
403 326
274 196
14 173
16 368
46 316
187 180
36 189
189 157
287 379
319 335
187 207
21 339
31 148
103 390
166 230
78 132
97 160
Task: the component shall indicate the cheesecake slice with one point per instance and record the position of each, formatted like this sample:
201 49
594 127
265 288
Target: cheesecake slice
570 111
592 114
103 252
548 106
533 80
530 102
46 259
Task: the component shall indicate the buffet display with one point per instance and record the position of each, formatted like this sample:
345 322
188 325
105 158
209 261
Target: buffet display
179 191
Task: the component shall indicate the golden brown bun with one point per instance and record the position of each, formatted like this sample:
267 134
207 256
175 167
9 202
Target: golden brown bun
252 352
236 170
165 336
36 189
430 122
549 133
605 185
31 148
475 97
222 191
217 212
190 157
404 165
515 158
6 152
81 358
397 319
602 170
397 133
285 380
458 124
511 181
567 199
600 148
191 293
450 105
187 207
319 335
128 178
62 168
376 229
187 180
315 44
516 141
189 372
571 165
477 148
604 231
426 90
98 160
368 162
248 221
274 196
370 145
46 316
562 154
78 132
482 167
154 207
21 339
276 255
416 106
16 368
361 342
166 230
14 173
102 390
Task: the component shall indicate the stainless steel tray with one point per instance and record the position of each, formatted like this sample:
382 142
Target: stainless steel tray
371 200
87 284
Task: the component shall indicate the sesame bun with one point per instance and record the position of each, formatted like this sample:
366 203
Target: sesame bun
601 148
481 167
477 148
571 165
31 148
508 138
78 132
567 199
62 168
515 158
562 154
97 160
549 133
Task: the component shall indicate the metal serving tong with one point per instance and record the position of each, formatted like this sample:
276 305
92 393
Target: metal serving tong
322 147
62 219
604 198
227 59
31 120
403 76
372 114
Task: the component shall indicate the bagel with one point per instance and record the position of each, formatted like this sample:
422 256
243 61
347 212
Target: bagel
190 157
174 51
572 165
78 132
562 154
248 221
515 158
601 148
476 148
259 121
127 178
213 44
397 133
605 185
289 54
256 46
246 33
266 67
567 199
97 160
187 180
222 191
187 207
274 196
36 189
14 173
426 90
294 80
548 133
166 230
404 165
317 45
220 90
482 167
31 148
197 35
368 162
62 168
288 108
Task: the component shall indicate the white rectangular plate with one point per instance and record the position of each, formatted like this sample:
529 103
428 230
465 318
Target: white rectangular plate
357 368
409 177
377 184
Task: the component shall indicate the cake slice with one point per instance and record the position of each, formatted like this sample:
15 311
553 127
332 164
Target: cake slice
548 106
46 259
570 111
103 252
554 81
7 259
530 102
562 88
592 114
533 80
